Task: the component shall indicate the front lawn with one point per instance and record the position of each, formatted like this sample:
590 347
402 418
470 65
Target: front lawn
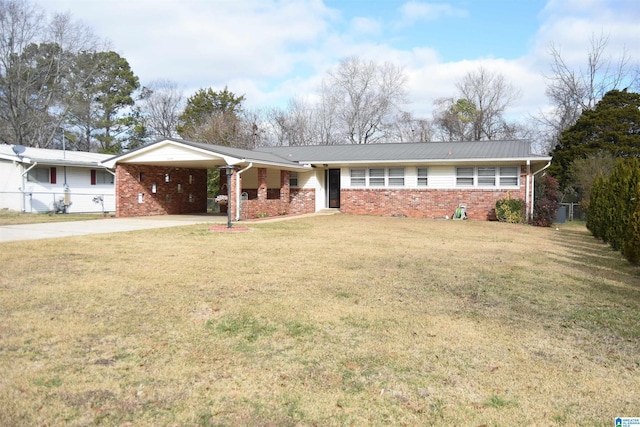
324 321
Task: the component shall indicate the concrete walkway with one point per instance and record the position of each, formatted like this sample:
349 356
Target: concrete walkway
49 230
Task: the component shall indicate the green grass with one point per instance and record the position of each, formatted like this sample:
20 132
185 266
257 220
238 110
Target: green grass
330 320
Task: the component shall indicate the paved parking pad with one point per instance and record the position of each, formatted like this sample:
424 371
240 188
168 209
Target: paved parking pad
50 230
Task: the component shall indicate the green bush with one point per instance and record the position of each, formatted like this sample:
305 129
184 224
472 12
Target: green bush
614 208
631 249
510 210
596 222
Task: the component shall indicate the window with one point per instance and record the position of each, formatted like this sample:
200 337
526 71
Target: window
464 177
293 179
42 175
376 177
358 178
423 174
396 177
179 188
190 179
509 176
101 177
486 177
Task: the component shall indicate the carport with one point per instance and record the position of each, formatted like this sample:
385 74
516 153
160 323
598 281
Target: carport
169 177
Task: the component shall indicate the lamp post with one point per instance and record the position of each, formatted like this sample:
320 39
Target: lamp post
229 172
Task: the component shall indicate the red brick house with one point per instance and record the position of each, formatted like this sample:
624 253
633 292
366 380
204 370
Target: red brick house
425 180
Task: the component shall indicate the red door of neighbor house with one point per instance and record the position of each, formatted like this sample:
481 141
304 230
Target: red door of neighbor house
333 178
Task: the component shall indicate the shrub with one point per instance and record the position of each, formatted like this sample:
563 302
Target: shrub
614 211
547 201
621 190
631 250
509 210
596 222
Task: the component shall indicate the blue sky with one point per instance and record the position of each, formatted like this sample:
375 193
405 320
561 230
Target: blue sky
271 51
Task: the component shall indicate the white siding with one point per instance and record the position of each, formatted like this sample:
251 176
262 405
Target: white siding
170 153
442 177
307 179
10 185
40 197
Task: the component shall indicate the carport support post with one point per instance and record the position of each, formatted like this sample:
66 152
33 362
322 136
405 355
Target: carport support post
229 170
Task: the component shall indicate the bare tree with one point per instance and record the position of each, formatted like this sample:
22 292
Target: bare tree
36 79
574 90
406 128
363 97
491 95
161 104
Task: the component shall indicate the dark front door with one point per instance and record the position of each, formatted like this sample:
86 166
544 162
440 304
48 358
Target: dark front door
334 188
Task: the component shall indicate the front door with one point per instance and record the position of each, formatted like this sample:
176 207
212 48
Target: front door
334 187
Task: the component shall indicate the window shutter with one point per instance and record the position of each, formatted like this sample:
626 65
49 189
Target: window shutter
93 177
54 176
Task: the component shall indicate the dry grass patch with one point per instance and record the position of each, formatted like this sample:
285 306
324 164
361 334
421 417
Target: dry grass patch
338 320
9 217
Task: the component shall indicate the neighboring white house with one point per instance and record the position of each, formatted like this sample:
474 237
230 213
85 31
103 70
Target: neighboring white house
43 180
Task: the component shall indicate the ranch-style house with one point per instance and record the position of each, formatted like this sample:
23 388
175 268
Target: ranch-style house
424 180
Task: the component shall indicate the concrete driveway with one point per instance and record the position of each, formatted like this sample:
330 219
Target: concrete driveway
100 226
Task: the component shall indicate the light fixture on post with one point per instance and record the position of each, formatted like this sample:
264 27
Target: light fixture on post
229 172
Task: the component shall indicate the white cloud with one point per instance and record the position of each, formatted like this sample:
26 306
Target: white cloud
365 26
415 11
273 50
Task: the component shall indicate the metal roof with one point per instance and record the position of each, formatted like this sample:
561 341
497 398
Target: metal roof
53 157
410 152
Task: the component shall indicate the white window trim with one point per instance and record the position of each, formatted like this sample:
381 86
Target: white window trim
386 178
426 177
497 177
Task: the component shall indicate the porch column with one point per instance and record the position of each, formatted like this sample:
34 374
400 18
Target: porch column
262 183
284 186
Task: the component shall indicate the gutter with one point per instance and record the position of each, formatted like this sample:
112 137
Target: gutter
533 181
24 184
238 188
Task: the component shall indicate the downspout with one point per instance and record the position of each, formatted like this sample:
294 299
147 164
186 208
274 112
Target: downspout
533 186
24 185
239 188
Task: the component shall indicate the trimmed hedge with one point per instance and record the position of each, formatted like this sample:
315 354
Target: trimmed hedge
614 208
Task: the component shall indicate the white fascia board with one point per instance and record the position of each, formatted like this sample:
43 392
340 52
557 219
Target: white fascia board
262 163
110 163
441 161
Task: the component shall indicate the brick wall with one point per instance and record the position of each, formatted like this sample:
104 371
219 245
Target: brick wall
184 193
424 203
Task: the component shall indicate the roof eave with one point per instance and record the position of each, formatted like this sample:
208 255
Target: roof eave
450 160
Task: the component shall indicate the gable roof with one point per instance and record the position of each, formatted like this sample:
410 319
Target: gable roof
177 152
50 157
409 152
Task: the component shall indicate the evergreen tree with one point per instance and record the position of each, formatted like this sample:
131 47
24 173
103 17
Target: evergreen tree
612 127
